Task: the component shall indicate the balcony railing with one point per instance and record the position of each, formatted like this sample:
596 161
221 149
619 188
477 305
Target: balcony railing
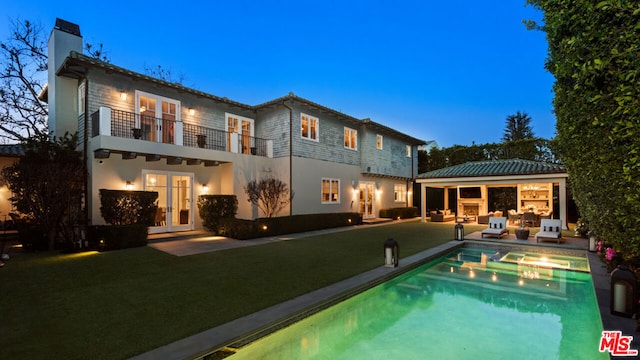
107 121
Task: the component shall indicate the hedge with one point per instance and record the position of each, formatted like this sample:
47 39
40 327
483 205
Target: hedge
250 229
116 237
399 212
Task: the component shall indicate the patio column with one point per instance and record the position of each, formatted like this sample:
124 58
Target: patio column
562 194
446 199
423 201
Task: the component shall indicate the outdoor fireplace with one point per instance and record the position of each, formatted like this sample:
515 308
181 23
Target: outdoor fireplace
470 209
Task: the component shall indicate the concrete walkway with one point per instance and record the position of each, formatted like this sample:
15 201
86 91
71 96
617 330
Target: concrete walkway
245 329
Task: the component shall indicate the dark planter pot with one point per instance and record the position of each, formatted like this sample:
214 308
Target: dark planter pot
137 133
522 234
201 140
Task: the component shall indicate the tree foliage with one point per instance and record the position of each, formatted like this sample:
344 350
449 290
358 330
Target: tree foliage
517 127
23 73
269 195
535 149
47 183
593 54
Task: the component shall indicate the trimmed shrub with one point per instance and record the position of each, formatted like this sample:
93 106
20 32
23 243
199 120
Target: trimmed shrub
399 212
116 237
122 207
214 208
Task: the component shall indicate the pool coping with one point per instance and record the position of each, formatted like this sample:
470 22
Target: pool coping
239 332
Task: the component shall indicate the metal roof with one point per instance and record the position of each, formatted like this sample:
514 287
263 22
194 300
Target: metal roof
508 167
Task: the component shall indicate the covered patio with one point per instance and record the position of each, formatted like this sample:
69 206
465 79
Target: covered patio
534 183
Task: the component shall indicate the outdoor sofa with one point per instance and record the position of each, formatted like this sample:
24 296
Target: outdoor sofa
442 216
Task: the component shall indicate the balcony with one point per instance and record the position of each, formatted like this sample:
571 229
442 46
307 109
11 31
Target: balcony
122 124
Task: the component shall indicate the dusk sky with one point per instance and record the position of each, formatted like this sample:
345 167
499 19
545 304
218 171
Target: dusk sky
449 71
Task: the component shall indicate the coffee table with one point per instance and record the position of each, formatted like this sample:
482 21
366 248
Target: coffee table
465 218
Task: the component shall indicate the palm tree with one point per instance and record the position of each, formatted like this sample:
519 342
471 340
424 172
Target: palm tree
518 127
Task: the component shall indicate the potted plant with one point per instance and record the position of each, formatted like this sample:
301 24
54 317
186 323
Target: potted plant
522 233
201 140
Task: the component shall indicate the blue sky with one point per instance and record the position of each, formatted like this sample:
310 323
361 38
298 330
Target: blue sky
450 71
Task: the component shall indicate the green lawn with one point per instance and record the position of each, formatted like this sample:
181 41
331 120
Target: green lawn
117 304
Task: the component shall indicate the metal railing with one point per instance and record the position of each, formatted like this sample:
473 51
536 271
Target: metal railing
135 126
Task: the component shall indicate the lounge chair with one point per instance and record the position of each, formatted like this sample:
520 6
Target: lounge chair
550 229
497 227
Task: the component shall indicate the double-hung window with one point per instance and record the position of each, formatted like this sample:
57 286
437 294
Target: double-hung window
330 191
350 138
309 127
399 193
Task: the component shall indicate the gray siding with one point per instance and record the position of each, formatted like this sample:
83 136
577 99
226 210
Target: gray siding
392 160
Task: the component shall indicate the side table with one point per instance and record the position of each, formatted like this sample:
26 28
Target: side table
522 234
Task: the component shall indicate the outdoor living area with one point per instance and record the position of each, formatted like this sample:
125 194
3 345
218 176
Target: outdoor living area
519 190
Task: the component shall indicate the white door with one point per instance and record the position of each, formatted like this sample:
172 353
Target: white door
157 117
366 200
175 200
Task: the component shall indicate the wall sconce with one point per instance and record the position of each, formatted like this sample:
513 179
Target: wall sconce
123 95
128 185
192 111
205 188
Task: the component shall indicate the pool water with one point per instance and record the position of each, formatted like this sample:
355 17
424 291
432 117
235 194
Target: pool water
469 304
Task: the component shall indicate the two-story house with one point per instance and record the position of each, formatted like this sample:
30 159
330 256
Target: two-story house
142 133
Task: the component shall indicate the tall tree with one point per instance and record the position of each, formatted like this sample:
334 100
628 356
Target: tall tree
23 73
593 54
518 127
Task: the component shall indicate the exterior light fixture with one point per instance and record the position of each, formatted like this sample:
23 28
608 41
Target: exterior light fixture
593 240
391 251
123 95
459 232
128 185
624 291
205 188
264 227
192 111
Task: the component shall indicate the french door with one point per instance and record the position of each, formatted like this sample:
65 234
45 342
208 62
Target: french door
175 200
244 127
158 116
366 200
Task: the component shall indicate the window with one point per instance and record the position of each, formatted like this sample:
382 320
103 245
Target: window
330 191
379 142
350 138
309 127
408 150
399 192
81 92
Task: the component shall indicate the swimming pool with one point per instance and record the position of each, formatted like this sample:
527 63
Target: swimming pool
472 303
